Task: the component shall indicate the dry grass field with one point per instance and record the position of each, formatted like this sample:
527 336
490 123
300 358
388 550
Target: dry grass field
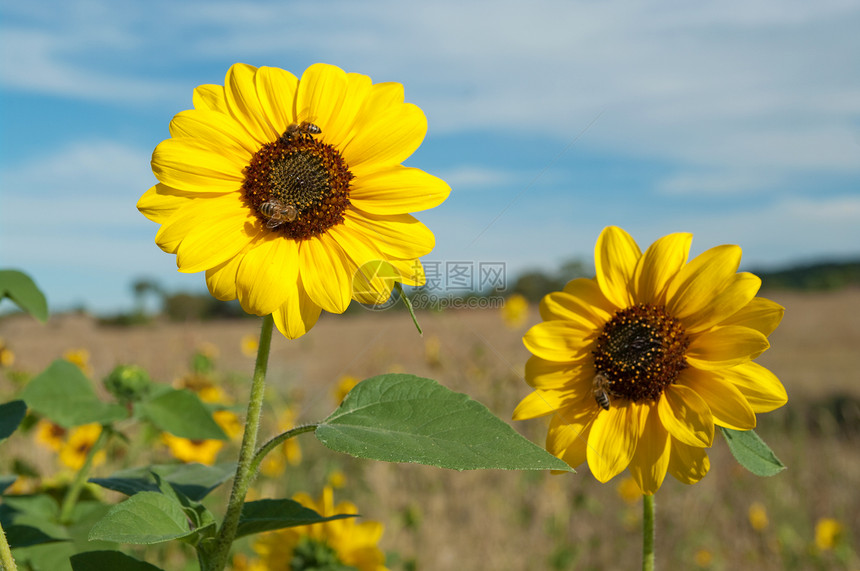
438 520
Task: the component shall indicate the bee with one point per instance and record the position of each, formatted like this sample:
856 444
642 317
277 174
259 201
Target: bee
277 212
599 388
300 129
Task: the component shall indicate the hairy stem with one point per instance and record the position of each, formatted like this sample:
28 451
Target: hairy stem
648 532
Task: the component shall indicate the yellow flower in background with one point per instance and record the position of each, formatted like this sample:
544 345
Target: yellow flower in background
828 532
344 384
336 479
7 357
282 188
758 516
640 363
74 451
629 490
187 450
326 545
249 345
290 452
515 311
50 435
229 422
704 558
81 358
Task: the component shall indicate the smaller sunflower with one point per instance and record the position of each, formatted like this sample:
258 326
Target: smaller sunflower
74 451
638 365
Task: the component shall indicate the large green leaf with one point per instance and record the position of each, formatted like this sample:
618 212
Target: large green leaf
752 453
109 561
11 415
266 515
63 394
144 518
193 480
404 418
181 413
22 290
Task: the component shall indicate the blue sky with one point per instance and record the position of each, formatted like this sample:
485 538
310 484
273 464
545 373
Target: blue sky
737 121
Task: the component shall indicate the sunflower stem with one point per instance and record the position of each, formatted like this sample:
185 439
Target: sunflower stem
74 491
273 443
648 532
244 473
408 304
7 562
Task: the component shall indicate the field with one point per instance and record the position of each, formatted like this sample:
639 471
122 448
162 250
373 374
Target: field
436 519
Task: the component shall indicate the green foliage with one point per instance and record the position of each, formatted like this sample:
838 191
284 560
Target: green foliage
24 292
535 284
144 518
195 481
66 396
268 515
404 418
813 277
11 415
752 453
108 561
181 413
128 383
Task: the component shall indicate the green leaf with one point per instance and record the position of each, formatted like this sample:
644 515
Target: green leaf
22 290
404 418
144 518
11 415
109 561
6 481
181 413
25 536
266 515
65 395
752 453
195 481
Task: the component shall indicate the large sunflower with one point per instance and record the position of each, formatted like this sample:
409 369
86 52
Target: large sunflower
640 363
283 189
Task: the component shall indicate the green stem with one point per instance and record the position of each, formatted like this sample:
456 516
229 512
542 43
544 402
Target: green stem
7 563
74 491
648 532
244 473
273 443
408 304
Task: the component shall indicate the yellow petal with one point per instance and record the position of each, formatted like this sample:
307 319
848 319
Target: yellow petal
568 432
728 406
411 272
382 96
194 166
210 97
541 403
696 285
240 89
760 314
398 190
387 138
761 387
688 464
613 439
560 305
268 274
298 314
686 416
276 89
221 133
211 230
725 347
342 125
221 280
658 265
401 236
591 299
737 293
374 282
326 273
322 92
615 258
160 202
651 459
543 374
559 341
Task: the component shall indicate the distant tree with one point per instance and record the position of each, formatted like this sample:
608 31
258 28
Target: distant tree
141 287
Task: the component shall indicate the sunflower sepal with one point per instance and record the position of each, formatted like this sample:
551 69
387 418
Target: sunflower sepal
404 418
751 452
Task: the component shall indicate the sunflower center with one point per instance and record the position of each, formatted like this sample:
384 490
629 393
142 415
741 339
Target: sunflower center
313 555
297 186
640 352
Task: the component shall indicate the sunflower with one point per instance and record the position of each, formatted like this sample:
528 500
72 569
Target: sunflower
640 363
281 189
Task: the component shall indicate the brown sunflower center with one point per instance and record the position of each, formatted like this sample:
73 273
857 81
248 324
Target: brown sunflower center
297 186
640 352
